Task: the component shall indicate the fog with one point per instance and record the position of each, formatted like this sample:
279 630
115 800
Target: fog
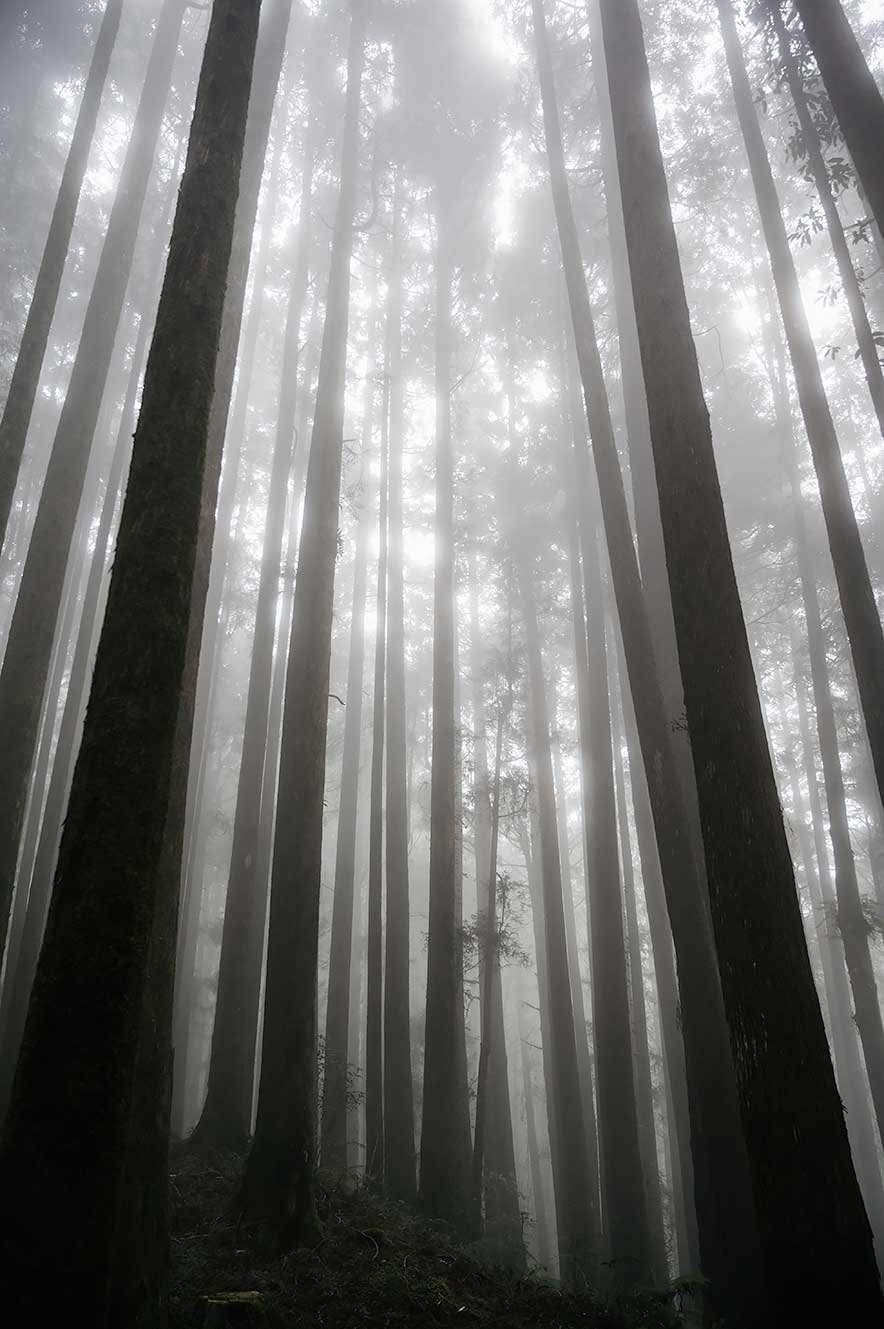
478 803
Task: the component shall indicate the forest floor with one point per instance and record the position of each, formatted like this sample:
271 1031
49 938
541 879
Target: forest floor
377 1266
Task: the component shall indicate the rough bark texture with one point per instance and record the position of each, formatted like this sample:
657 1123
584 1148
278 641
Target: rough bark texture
278 1182
853 92
26 375
32 630
83 1152
814 1231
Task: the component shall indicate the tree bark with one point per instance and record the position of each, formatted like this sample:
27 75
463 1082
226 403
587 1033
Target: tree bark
83 1155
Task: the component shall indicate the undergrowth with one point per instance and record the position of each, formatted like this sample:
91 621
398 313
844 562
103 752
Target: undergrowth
377 1265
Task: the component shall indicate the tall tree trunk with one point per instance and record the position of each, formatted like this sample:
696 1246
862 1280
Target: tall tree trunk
853 92
399 1158
278 1182
340 995
626 1216
807 1200
31 633
644 1089
541 1215
32 349
851 920
374 1058
868 349
83 1155
574 1200
445 1145
845 543
226 1118
727 1230
848 1063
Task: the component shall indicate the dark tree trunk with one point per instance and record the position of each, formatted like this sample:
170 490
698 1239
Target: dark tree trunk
868 349
445 1145
399 1157
32 350
853 92
574 1200
83 1155
845 543
31 633
814 1230
727 1230
226 1119
278 1182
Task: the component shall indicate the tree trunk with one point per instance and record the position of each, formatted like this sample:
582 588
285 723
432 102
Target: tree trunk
374 1059
32 350
807 1200
574 1200
853 92
868 350
226 1119
83 1158
399 1153
31 633
278 1182
845 543
644 1089
728 1248
445 1145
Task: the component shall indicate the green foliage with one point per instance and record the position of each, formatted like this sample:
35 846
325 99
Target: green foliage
377 1265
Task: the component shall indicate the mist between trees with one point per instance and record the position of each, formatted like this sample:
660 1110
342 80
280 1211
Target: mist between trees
442 686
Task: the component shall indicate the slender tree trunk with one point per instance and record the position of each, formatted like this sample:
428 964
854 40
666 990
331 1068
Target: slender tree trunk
31 633
851 921
574 1201
868 349
83 1155
445 1145
399 1154
226 1118
807 1200
541 1215
340 995
644 1089
845 543
32 350
626 1216
727 1230
278 1182
853 92
374 1057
